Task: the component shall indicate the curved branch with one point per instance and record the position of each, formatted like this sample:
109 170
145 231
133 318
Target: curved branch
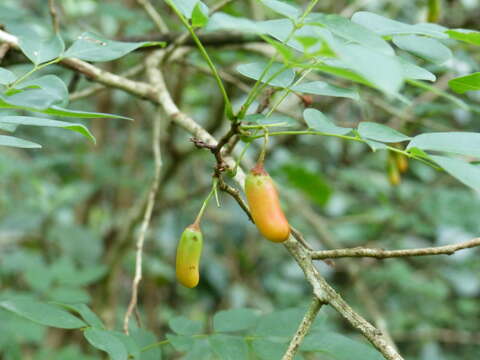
160 94
145 222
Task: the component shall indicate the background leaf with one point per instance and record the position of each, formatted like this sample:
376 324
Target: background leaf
229 347
92 47
187 7
468 36
40 50
42 313
144 338
467 173
338 347
183 326
222 21
12 141
234 320
6 76
465 83
33 121
106 341
267 349
309 182
282 8
316 120
463 143
380 132
426 48
384 71
199 16
86 313
415 72
279 323
51 85
275 76
388 27
352 32
325 89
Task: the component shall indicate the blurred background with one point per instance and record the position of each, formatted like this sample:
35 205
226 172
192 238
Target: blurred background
69 212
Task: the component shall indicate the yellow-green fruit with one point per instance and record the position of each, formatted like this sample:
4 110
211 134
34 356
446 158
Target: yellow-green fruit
189 251
434 10
402 163
392 169
262 197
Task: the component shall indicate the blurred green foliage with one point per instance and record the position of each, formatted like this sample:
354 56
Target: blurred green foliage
67 235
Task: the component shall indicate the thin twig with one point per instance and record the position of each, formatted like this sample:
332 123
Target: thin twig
154 15
383 254
146 222
303 328
54 15
298 235
236 195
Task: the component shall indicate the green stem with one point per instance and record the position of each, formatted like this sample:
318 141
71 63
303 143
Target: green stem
211 65
261 157
30 72
308 132
198 336
154 345
166 341
258 89
205 202
242 154
217 200
288 91
255 90
308 10
283 123
353 138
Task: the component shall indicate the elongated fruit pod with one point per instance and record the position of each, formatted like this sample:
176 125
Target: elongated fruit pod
434 10
402 163
392 170
189 251
262 197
